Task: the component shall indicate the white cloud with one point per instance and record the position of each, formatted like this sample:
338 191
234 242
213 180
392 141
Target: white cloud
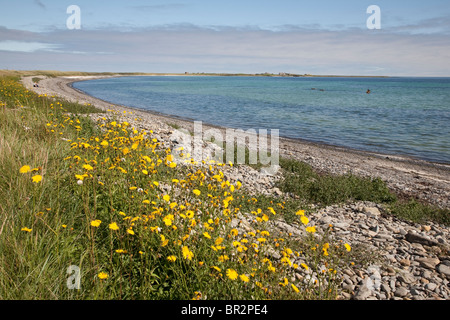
179 48
22 46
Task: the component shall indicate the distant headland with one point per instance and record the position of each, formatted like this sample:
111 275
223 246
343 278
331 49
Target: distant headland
52 73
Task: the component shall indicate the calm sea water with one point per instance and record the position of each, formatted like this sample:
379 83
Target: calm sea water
404 116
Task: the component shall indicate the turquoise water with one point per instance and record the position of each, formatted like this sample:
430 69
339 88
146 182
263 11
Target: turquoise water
403 116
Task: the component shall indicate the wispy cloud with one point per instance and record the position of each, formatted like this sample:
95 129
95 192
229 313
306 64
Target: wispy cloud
437 25
23 46
179 48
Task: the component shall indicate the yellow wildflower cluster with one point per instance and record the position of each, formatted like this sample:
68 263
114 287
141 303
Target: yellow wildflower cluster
159 221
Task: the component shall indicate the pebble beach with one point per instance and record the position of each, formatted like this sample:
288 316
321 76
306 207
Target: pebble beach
414 261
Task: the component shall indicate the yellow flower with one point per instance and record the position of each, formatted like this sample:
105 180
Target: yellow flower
218 241
171 258
347 246
232 274
103 275
300 213
26 229
234 232
121 251
104 143
190 214
168 219
244 278
223 258
284 283
265 233
304 220
172 165
187 254
130 231
325 248
80 176
25 169
295 288
196 192
197 295
217 268
304 266
96 223
113 226
286 260
265 217
164 241
206 235
272 211
311 229
37 178
173 205
166 197
88 167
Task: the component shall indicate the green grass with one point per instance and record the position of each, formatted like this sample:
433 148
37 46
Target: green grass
322 189
412 210
174 125
326 189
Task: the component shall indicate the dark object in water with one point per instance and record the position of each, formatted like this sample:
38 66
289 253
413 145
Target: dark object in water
368 91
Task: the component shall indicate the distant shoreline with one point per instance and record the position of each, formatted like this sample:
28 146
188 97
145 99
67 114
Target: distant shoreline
53 73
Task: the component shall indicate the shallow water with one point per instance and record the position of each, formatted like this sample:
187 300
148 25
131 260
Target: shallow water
404 116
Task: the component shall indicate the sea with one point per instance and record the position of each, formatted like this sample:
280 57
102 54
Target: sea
400 116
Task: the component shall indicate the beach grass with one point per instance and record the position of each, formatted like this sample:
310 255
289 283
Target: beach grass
321 189
327 189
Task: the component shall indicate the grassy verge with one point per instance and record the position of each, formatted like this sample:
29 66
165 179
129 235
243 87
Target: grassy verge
324 189
100 211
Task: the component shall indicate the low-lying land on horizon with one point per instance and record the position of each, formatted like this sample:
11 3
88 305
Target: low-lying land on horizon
54 73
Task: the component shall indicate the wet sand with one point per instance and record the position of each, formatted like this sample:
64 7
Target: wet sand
423 180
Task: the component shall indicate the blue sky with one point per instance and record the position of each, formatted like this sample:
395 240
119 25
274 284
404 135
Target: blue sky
317 37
